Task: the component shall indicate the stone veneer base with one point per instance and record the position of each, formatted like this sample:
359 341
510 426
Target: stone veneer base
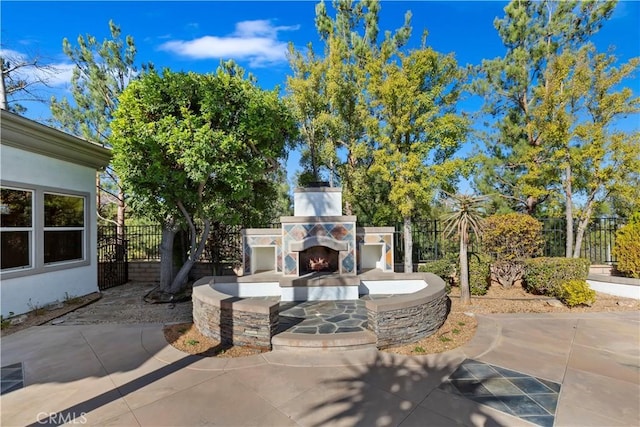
253 322
250 322
406 318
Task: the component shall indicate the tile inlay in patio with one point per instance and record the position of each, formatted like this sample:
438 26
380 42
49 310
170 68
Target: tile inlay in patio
529 398
11 378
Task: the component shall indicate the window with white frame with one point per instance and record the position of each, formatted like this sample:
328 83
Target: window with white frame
16 228
64 231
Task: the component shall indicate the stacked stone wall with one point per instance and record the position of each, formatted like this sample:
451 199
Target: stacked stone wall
407 318
408 324
149 271
232 320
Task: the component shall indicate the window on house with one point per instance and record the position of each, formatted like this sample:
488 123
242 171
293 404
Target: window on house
16 228
64 228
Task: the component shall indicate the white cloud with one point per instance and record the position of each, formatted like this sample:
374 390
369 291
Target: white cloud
51 74
254 41
61 75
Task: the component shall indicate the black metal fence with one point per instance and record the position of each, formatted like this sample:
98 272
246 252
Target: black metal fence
113 269
224 244
429 242
597 244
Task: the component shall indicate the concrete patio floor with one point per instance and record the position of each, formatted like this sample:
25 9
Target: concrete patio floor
127 375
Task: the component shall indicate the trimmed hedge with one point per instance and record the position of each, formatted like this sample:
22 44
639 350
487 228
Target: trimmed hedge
546 275
479 273
445 268
627 249
448 269
512 236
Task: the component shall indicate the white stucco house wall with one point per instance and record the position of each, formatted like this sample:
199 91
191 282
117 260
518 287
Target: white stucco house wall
48 220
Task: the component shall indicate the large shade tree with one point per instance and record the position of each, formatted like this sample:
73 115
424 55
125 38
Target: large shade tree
102 70
589 157
331 97
307 93
418 130
534 33
193 148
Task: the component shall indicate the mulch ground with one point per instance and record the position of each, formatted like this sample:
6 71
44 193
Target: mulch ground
43 315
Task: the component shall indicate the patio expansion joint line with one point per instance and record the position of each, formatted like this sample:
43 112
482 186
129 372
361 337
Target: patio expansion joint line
497 338
571 348
115 386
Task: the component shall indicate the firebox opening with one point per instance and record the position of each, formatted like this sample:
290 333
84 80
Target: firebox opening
318 259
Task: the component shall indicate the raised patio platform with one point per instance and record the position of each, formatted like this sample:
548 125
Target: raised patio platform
265 322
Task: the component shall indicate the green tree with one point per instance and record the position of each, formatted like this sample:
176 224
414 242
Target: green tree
307 93
534 33
580 104
466 216
102 71
350 45
194 148
416 139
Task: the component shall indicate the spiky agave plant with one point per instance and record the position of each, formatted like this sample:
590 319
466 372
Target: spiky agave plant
467 213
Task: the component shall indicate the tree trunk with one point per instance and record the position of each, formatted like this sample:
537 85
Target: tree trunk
568 212
348 209
3 88
331 173
531 203
194 254
166 256
120 225
121 215
408 245
465 292
98 193
582 226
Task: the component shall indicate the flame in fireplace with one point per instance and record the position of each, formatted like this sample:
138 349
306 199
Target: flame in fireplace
317 264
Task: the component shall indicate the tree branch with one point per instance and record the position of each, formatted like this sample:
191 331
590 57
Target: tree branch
192 227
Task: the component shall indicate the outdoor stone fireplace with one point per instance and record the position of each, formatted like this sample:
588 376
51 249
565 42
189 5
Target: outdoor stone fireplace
318 255
317 239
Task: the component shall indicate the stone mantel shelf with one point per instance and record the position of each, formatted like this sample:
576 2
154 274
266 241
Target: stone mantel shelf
316 219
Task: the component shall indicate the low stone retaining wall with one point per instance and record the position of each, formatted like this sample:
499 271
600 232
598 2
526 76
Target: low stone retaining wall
144 271
403 319
149 271
232 320
252 322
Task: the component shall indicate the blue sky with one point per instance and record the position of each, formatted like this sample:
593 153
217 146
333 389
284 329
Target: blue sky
195 36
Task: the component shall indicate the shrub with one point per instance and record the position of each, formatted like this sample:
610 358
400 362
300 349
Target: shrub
479 273
576 292
545 276
627 249
512 236
446 268
507 273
